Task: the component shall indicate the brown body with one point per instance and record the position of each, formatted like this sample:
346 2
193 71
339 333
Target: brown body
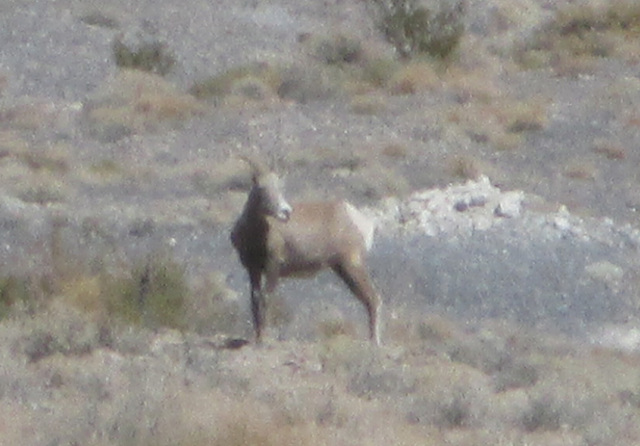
275 240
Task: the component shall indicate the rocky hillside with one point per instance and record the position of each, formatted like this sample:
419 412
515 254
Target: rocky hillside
495 145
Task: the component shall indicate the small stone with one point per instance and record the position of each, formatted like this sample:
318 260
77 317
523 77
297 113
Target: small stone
510 206
605 272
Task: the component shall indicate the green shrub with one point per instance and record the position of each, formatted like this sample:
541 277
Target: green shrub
311 82
148 56
153 295
413 29
337 50
13 291
43 194
378 71
543 414
249 80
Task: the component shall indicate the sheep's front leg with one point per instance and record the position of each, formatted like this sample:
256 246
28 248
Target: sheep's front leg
257 303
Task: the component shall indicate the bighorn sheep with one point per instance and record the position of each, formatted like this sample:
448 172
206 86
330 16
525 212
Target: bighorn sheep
277 240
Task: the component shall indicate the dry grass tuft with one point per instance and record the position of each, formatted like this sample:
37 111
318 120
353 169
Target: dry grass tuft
335 49
213 307
368 104
11 141
396 151
256 83
44 190
451 396
30 116
610 150
326 158
466 167
502 122
153 295
343 354
229 175
414 77
150 293
85 292
475 85
523 116
99 18
16 294
378 71
580 34
134 101
312 82
581 170
376 181
332 328
56 163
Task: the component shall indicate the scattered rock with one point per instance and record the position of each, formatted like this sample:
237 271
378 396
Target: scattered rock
618 337
605 271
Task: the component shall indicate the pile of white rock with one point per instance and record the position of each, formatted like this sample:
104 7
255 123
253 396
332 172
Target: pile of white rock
463 208
478 205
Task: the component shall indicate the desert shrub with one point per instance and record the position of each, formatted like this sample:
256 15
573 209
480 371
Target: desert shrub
378 71
43 194
465 167
610 149
342 354
40 161
377 181
145 54
134 101
581 33
311 82
372 383
251 88
153 295
338 49
253 81
414 77
14 291
331 328
326 158
543 414
396 151
455 412
368 104
450 395
106 168
214 307
502 124
580 169
414 29
59 328
516 374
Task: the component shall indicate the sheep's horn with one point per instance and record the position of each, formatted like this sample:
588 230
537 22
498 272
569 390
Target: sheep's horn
258 167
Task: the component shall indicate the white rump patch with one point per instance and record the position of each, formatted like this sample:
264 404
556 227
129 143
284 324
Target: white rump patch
365 225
